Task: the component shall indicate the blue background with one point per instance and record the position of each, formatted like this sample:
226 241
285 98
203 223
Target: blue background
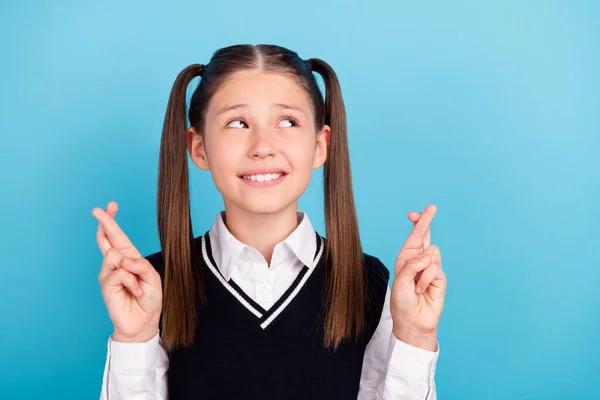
490 111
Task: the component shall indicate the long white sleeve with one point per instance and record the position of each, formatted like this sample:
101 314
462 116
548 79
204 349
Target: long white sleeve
135 371
394 370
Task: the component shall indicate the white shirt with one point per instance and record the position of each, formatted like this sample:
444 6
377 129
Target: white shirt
391 368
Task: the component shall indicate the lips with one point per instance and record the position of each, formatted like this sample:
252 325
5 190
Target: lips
263 171
263 180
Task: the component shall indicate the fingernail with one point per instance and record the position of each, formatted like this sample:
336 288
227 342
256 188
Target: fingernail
127 262
418 290
139 292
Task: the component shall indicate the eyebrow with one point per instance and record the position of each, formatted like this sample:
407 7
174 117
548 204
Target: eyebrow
243 105
289 107
233 107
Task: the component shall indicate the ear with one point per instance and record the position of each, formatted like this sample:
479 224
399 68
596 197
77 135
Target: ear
322 146
195 143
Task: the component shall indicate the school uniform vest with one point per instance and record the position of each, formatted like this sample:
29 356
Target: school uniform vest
242 351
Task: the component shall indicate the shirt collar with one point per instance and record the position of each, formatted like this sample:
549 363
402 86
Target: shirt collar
227 249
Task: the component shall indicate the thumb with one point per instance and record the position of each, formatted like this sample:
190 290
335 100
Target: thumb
143 269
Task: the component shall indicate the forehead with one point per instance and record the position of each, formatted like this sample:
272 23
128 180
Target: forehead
255 87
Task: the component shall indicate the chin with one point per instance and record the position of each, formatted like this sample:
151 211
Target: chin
257 207
269 204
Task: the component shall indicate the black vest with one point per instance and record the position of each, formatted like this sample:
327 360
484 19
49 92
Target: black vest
242 351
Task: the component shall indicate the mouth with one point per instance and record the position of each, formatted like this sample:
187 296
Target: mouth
265 179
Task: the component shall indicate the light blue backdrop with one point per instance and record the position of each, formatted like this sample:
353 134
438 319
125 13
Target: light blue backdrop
490 111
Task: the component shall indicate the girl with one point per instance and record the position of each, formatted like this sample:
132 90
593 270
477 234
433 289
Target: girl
261 305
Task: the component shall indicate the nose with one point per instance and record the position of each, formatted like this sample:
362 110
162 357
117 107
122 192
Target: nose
261 143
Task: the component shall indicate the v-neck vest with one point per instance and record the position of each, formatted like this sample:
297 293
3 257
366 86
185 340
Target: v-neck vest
242 351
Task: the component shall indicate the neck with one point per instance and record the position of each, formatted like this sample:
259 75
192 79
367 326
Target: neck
261 230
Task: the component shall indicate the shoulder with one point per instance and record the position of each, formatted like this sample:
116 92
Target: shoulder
377 277
376 271
158 262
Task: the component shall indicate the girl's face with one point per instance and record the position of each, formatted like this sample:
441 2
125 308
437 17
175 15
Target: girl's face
259 124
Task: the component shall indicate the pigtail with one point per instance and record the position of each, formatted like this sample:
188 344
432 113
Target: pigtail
181 285
346 279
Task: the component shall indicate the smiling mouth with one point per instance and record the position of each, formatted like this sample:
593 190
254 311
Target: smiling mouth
263 179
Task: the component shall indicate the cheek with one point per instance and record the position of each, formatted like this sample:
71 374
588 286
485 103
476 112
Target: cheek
223 158
302 157
223 149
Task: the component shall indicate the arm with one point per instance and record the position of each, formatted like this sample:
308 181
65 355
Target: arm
132 290
135 371
393 369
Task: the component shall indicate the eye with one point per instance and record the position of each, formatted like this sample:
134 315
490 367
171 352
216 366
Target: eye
236 123
288 122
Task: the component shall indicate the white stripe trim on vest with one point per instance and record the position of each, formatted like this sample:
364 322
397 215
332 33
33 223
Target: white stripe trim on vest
295 292
225 283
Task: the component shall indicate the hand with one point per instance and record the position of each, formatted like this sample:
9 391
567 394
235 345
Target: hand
131 287
419 287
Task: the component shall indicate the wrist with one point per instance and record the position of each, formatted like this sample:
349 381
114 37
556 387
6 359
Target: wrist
413 337
139 338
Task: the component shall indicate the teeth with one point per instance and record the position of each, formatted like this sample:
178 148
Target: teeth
262 178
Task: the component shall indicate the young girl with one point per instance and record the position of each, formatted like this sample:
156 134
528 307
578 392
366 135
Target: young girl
261 306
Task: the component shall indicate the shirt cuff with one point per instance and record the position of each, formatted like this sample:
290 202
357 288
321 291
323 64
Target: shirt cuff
133 358
411 361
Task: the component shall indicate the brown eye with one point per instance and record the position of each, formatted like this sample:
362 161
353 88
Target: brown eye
288 122
236 123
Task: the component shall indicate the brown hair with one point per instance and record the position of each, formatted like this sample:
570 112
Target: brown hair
183 288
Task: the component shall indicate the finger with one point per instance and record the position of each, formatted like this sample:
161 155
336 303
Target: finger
406 255
143 269
115 235
103 242
121 277
414 217
436 258
436 255
417 236
427 238
417 277
111 262
427 276
412 267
